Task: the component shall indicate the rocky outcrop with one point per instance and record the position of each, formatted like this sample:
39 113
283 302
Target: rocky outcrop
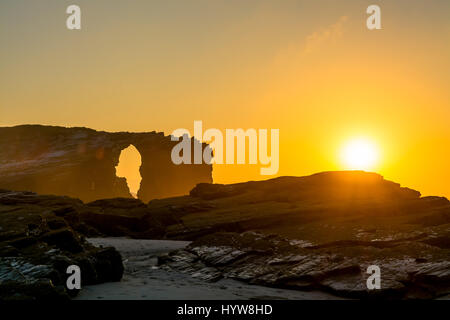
409 268
124 217
80 163
39 238
316 232
322 208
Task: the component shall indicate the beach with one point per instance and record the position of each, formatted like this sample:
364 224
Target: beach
144 280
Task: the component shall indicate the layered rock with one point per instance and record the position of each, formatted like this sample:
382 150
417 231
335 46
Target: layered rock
80 163
409 267
315 232
321 208
39 239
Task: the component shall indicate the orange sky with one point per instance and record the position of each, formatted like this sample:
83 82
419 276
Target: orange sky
308 68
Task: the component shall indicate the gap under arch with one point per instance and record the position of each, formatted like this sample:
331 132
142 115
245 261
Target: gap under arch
130 161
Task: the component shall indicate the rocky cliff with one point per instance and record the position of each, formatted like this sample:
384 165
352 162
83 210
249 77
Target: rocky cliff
80 163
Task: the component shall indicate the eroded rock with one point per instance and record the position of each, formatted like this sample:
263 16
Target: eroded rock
38 241
341 271
80 163
317 232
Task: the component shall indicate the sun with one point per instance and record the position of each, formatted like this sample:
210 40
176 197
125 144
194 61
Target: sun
360 154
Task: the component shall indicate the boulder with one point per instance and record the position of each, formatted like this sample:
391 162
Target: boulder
39 240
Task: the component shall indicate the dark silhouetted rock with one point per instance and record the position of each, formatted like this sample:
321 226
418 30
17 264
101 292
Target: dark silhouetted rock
80 163
322 208
316 232
37 244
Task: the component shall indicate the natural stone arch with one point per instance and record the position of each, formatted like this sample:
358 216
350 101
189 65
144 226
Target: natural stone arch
81 163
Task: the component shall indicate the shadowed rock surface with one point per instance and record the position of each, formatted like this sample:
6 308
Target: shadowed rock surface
321 208
80 163
38 241
144 280
319 232
409 269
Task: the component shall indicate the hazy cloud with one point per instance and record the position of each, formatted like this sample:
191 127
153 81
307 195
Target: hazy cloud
329 34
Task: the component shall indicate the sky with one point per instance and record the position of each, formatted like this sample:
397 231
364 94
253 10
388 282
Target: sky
311 69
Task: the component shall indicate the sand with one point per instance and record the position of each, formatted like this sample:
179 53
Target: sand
143 280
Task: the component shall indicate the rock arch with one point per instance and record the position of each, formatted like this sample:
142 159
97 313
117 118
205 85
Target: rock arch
80 162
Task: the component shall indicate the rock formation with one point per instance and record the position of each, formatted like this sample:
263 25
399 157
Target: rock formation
324 207
316 232
39 240
80 163
409 267
319 232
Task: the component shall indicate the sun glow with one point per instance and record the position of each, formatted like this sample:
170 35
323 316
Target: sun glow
360 154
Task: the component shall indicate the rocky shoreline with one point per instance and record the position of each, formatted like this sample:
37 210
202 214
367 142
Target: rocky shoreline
39 240
319 232
339 269
144 279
